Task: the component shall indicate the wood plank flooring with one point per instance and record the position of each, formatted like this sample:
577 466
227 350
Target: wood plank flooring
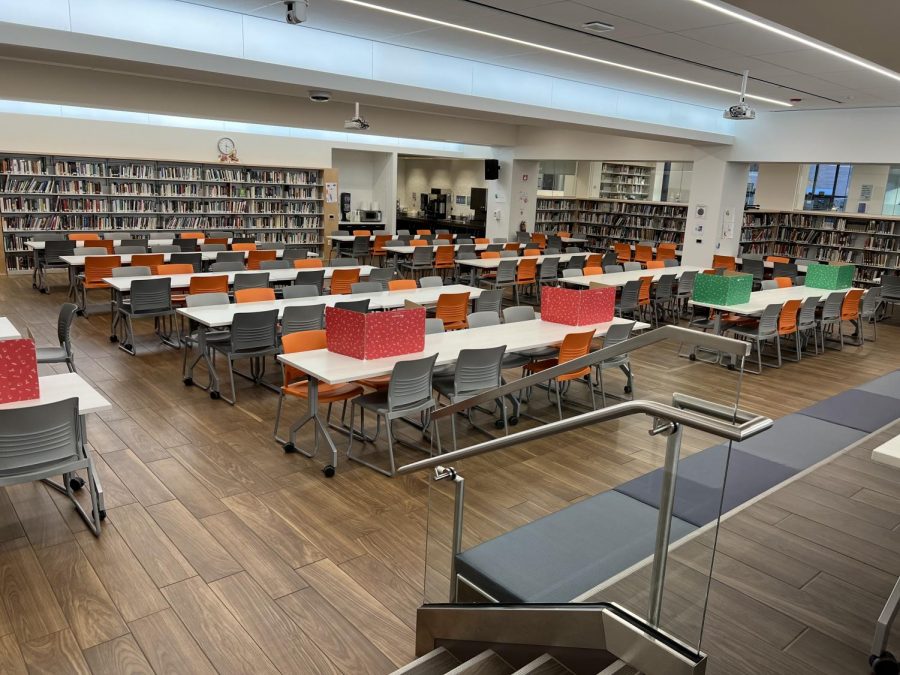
223 554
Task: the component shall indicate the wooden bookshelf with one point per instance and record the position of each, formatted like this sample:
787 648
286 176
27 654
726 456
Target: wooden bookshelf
607 221
44 193
870 242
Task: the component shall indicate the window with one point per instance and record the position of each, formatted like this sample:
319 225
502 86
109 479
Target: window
827 186
752 179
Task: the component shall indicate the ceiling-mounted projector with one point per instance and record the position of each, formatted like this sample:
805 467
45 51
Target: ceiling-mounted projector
357 122
741 111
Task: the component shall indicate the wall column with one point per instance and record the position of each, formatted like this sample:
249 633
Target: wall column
511 198
718 190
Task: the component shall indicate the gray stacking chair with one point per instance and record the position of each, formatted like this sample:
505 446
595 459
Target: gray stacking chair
195 259
489 301
631 266
115 234
381 275
523 237
685 288
552 250
360 249
831 316
766 331
572 249
90 250
253 336
548 273
780 269
275 264
302 317
213 247
433 326
807 322
628 300
669 262
50 260
609 258
755 267
403 233
293 254
344 262
768 284
269 245
612 269
310 277
890 289
508 254
869 310
64 353
131 271
506 277
299 291
187 245
165 248
149 298
126 250
481 319
43 441
422 260
477 370
250 280
566 273
232 266
555 241
462 241
431 282
409 393
494 247
662 299
576 262
498 240
230 256
618 332
518 359
366 287
219 234
361 306
190 337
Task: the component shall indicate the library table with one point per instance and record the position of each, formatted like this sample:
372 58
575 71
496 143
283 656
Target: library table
7 330
322 365
622 278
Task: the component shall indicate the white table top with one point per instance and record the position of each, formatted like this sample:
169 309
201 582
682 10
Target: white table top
334 368
206 256
60 387
7 330
759 300
223 315
888 452
622 278
494 263
184 280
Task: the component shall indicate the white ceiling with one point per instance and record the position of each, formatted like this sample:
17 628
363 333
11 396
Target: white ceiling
690 41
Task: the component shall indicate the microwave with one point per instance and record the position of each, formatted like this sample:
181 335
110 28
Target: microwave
368 216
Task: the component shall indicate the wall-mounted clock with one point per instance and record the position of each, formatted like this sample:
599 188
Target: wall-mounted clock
226 146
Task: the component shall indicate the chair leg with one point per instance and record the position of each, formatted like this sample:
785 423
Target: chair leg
558 399
390 439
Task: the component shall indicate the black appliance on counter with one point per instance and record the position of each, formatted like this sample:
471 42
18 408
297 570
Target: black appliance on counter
345 206
436 205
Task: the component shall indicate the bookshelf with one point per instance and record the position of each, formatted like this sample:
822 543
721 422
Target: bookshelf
607 221
625 181
870 242
43 193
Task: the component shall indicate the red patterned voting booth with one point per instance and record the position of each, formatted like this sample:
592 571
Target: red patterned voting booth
576 307
18 371
375 335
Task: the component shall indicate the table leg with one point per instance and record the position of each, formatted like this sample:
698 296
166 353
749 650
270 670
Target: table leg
321 427
115 298
203 353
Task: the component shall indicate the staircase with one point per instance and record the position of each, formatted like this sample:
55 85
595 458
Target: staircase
488 662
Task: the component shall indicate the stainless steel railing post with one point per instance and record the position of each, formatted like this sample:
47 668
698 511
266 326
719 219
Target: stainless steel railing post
664 521
459 498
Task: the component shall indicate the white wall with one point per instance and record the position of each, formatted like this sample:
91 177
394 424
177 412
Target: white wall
780 186
875 175
420 175
720 188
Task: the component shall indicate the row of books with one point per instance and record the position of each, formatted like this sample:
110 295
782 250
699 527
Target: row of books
631 221
29 185
214 207
23 165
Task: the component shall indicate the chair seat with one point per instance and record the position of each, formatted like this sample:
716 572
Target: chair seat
328 393
378 402
51 355
538 366
93 284
376 383
751 332
455 325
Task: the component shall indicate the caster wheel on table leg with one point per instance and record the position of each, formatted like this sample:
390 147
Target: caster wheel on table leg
215 395
692 357
114 338
328 471
76 483
513 421
188 381
885 664
498 424
289 447
627 389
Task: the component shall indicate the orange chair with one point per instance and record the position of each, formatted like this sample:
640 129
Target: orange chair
482 240
444 258
418 242
84 236
216 240
787 323
784 282
777 259
540 239
402 285
594 260
378 250
243 247
532 252
666 251
295 382
644 293
726 261
342 279
108 244
190 235
445 236
563 234
850 312
490 254
592 271
254 295
175 268
362 233
526 275
643 253
655 264
574 345
151 260
423 232
256 257
307 263
511 246
216 284
96 267
452 309
623 252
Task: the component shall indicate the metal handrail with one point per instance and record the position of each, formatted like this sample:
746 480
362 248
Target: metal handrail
738 348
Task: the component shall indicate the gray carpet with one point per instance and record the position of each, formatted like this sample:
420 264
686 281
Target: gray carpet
889 385
856 409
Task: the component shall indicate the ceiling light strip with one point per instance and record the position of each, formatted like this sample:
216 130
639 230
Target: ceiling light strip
844 56
554 50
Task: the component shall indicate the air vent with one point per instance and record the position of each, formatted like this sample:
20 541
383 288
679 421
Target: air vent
598 27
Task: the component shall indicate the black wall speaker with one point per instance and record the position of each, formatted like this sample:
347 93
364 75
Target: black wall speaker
491 169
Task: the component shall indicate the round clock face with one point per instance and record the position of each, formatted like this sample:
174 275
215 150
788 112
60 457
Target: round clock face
226 146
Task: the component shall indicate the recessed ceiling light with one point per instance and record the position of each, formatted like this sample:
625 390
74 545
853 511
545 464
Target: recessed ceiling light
799 38
555 50
598 26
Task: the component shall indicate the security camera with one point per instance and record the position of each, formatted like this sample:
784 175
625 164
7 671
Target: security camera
296 11
319 96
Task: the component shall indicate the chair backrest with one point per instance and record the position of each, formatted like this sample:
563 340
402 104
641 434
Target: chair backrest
422 255
531 252
686 283
623 252
215 284
644 295
361 306
132 271
787 320
490 254
664 287
250 280
433 326
48 236
569 272
777 259
768 320
243 247
301 318
218 234
382 275
254 257
755 267
465 248
64 321
343 279
655 264
275 264
871 301
98 266
431 282
725 261
850 306
253 331
128 250
643 253
518 313
53 249
254 295
35 437
308 263
670 262
506 271
572 249
215 241
592 271
150 260
768 284
230 256
465 241
452 307
404 233
479 319
187 244
576 262
361 233
366 287
191 235
84 236
666 251
299 291
494 247
521 238
174 268
443 256
618 332
509 254
478 369
576 345
631 292
526 271
419 243
423 232
165 248
151 295
807 317
489 301
207 299
612 269
295 254
310 278
234 266
890 286
360 245
632 266
293 342
380 241
411 383
402 285
539 238
783 282
193 259
549 268
784 269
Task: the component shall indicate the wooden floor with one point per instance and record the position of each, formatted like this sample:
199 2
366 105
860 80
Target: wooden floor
222 554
